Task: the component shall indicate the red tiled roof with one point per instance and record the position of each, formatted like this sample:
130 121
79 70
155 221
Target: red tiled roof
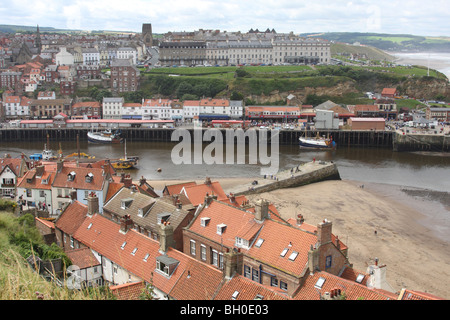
113 187
79 182
196 193
278 237
389 91
417 295
36 183
352 290
215 102
104 237
11 163
128 291
48 224
311 228
237 221
83 258
92 104
176 188
247 290
71 218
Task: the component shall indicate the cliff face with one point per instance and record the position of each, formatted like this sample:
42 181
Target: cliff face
420 88
425 88
300 95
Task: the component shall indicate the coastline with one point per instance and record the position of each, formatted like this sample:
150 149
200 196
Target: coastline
412 228
435 60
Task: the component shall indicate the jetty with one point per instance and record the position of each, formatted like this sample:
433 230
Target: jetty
303 174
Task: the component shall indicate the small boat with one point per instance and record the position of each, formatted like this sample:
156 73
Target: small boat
320 143
46 155
106 136
126 162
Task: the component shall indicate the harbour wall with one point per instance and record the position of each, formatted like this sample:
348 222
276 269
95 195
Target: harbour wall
285 137
343 138
421 142
306 173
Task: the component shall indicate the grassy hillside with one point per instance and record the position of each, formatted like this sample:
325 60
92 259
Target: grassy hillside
371 52
19 239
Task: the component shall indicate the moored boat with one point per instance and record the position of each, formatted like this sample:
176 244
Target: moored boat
317 143
106 136
126 162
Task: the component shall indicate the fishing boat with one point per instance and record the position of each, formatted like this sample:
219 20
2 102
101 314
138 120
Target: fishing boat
318 143
106 136
126 162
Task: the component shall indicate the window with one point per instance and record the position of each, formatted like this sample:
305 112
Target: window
146 257
283 285
215 258
71 242
319 283
134 251
89 226
123 245
247 272
283 253
203 252
204 221
255 275
328 261
293 256
274 282
192 242
359 278
221 228
259 242
235 295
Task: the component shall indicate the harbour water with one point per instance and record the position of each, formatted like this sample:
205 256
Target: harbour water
375 165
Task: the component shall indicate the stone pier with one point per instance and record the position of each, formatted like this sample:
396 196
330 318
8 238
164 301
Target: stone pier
303 174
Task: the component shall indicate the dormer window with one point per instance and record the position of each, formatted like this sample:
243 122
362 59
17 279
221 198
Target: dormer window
204 221
166 265
126 203
221 228
89 177
71 176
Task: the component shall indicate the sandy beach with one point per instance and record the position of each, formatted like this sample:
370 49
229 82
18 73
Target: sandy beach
416 256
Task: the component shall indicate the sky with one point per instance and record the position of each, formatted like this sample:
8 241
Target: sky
426 18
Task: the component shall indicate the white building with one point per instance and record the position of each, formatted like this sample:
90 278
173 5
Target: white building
157 109
127 53
16 107
236 109
91 56
64 58
112 108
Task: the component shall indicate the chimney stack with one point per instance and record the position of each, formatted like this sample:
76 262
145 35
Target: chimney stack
166 239
208 181
324 232
300 219
127 181
231 263
92 202
59 165
125 223
209 199
261 210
